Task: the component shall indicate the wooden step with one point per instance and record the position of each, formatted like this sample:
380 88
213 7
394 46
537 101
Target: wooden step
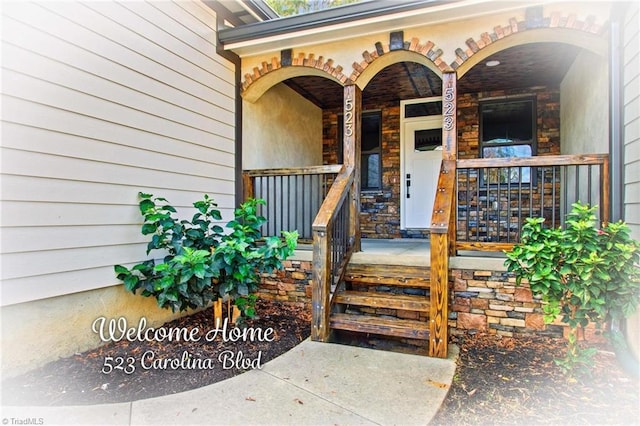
394 275
384 300
378 325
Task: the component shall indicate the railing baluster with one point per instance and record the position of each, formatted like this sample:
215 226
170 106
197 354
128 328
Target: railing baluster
468 203
542 190
577 184
509 204
550 181
519 200
478 183
589 184
553 197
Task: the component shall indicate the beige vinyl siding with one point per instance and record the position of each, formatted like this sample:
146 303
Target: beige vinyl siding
101 100
631 118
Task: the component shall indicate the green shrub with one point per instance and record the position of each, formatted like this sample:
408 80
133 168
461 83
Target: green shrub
581 273
201 261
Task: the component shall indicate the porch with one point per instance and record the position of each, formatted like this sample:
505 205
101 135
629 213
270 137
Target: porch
413 289
457 155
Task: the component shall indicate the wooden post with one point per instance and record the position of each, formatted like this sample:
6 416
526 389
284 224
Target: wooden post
352 145
440 223
439 307
320 296
248 186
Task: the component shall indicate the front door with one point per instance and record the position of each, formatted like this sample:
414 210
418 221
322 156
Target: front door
422 154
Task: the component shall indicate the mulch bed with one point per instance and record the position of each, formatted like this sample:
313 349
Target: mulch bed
515 381
497 380
79 380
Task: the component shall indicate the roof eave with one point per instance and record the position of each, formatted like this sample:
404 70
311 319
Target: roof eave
323 18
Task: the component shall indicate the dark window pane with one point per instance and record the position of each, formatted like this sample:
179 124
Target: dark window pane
370 132
423 109
427 140
370 176
507 122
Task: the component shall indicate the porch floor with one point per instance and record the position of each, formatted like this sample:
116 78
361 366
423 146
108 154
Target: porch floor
411 252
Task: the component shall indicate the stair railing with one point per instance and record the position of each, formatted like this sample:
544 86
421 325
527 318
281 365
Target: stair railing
442 242
332 248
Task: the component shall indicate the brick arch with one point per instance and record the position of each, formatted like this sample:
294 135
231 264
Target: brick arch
413 51
555 28
270 74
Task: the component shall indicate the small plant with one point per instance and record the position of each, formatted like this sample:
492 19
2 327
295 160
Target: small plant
202 263
581 273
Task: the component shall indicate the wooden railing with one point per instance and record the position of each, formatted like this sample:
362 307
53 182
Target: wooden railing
441 246
496 195
293 196
333 243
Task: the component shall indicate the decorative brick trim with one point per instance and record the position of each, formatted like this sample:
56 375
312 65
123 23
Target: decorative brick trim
554 20
301 60
427 50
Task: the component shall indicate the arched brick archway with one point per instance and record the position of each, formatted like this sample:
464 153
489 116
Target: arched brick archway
254 86
573 32
268 75
364 75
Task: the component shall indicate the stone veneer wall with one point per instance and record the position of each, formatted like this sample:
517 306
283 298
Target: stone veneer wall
479 301
495 212
380 211
548 119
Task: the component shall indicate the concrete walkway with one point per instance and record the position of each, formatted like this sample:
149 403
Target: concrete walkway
313 384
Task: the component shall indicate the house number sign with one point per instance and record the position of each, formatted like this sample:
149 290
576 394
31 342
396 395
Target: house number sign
449 113
348 117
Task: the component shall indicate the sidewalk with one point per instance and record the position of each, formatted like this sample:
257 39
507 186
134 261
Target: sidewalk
313 384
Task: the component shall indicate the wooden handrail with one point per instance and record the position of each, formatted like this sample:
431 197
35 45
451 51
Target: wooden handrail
541 160
441 243
323 238
334 198
443 203
310 170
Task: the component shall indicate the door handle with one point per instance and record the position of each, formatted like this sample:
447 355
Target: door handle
408 184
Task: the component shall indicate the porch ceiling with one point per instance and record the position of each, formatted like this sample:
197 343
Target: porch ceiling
521 66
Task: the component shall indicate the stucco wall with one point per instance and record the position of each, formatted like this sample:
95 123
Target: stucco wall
584 116
40 331
281 129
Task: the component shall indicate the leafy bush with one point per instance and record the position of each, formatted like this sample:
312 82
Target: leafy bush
202 262
581 273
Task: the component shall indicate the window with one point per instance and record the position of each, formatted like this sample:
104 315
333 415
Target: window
370 150
508 129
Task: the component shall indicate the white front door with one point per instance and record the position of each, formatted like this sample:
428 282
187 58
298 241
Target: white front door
422 154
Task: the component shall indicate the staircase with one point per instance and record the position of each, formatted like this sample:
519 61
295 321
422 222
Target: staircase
383 299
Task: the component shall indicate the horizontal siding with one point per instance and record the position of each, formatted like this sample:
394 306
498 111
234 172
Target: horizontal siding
102 100
631 111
